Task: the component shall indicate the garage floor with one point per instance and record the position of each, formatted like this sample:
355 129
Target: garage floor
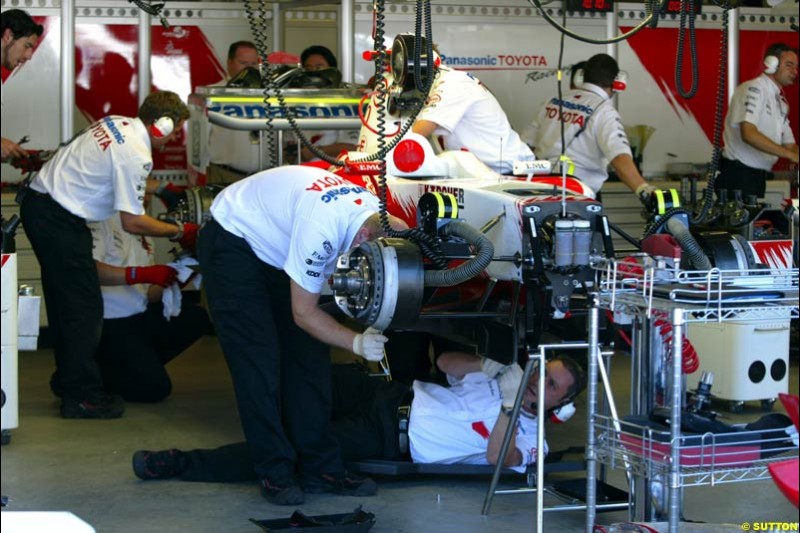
83 466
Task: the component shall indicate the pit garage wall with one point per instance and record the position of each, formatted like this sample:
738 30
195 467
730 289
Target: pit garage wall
191 53
510 48
514 53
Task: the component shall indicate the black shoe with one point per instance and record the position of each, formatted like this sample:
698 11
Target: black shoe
343 483
102 406
286 492
158 465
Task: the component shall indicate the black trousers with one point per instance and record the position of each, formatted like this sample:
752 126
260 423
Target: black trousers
63 246
133 350
364 422
735 175
281 375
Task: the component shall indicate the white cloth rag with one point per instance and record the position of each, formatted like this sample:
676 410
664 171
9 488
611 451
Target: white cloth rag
171 298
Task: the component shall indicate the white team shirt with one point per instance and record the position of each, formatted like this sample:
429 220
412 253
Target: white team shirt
471 119
328 137
760 102
452 425
593 133
297 219
237 149
102 171
115 246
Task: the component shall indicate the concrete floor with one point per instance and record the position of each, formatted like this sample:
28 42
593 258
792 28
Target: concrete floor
84 466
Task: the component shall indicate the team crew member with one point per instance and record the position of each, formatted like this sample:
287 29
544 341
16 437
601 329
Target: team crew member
234 154
757 130
273 241
593 133
463 423
20 34
468 117
138 340
331 142
102 171
241 55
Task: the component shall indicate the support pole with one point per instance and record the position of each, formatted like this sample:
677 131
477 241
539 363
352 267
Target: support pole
67 70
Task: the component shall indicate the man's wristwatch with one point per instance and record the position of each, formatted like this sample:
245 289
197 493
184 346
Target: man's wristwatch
178 236
508 411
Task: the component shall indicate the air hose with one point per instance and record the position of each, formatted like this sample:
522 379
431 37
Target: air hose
697 258
484 251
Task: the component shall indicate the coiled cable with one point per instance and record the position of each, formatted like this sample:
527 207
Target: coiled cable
692 52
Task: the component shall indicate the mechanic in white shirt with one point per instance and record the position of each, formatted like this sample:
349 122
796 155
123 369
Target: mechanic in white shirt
102 171
273 242
463 423
20 34
757 130
330 142
235 154
593 133
469 118
138 340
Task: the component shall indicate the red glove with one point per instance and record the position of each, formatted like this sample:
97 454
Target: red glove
188 240
162 275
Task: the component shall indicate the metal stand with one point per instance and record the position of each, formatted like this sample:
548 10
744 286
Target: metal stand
540 357
647 453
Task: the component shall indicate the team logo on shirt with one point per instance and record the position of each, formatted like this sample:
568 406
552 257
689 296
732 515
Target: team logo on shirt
328 247
147 167
312 273
433 99
311 262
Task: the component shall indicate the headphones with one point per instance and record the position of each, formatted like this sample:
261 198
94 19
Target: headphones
162 127
619 84
566 407
771 64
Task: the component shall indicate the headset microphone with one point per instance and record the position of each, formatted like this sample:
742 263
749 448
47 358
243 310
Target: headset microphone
162 127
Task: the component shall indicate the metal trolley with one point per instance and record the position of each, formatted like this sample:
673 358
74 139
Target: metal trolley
645 289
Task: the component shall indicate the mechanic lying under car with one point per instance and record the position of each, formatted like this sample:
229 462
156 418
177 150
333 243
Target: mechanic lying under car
462 423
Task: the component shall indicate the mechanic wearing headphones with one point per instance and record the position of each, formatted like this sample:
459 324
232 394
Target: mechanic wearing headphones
103 170
272 243
20 34
593 130
469 118
757 130
463 423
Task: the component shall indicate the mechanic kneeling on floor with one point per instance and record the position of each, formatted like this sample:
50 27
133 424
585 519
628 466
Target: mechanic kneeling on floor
462 423
101 171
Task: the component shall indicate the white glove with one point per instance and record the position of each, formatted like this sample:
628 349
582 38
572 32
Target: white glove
509 382
492 368
369 344
644 191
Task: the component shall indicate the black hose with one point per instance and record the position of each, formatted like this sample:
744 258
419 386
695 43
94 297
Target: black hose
692 52
257 25
697 257
484 251
716 154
